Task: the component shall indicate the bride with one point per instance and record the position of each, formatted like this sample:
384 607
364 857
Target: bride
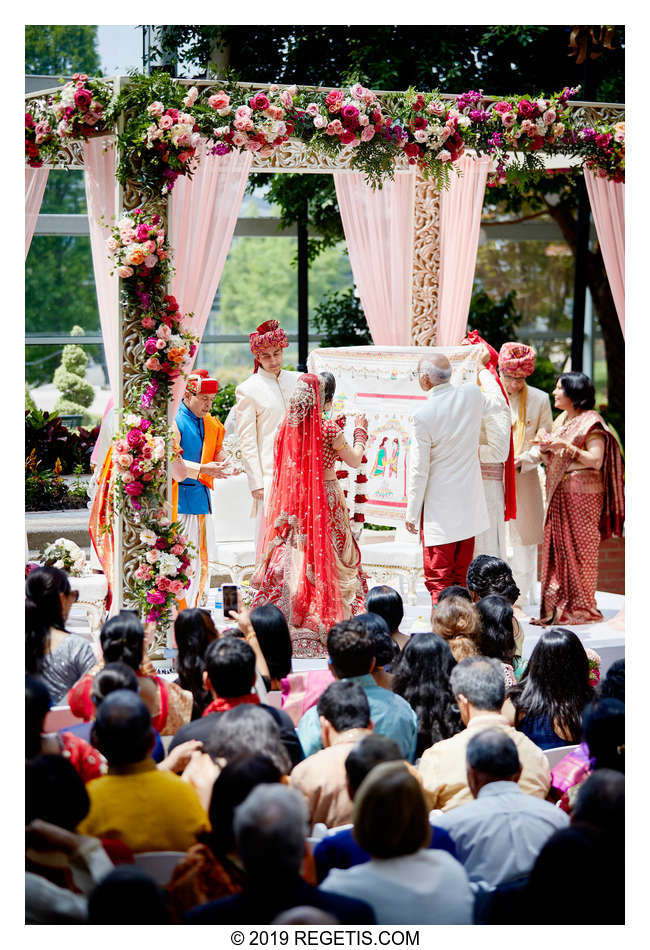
311 566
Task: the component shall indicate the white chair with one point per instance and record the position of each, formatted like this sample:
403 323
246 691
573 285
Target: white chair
93 589
553 756
234 529
60 717
159 865
401 558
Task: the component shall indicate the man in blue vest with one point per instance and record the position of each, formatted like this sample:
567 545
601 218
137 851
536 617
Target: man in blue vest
200 437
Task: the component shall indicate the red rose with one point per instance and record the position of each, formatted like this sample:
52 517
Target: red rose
346 137
351 122
419 122
603 140
134 488
412 149
526 109
419 102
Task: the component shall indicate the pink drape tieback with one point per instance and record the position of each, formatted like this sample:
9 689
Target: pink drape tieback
460 223
35 182
378 226
607 199
203 215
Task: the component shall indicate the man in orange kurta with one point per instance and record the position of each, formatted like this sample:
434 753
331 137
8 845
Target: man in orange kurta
200 437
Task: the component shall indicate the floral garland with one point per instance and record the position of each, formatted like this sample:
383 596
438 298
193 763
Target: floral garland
65 555
164 571
77 111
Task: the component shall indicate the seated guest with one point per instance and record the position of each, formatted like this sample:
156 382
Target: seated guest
149 809
352 656
458 623
212 868
272 632
421 676
405 882
122 641
477 684
590 854
88 762
602 747
229 676
193 632
386 649
454 590
245 728
488 575
499 835
497 633
56 657
340 850
61 869
344 715
113 676
613 686
270 829
127 896
388 604
554 690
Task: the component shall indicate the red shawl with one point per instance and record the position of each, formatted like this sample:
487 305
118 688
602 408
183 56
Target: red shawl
510 489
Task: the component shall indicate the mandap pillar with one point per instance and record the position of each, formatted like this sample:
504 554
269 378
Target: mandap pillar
426 262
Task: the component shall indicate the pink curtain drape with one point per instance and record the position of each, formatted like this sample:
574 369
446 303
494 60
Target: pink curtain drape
378 226
203 217
35 182
460 223
99 177
607 199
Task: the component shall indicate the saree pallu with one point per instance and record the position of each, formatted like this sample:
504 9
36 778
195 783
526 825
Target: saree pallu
584 506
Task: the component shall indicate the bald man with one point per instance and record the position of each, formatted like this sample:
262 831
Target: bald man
446 500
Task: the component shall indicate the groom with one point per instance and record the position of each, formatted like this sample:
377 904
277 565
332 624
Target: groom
261 404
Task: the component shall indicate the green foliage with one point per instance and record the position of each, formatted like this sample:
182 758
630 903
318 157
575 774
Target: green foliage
61 50
45 491
30 405
495 320
340 320
77 393
223 401
74 359
544 375
50 441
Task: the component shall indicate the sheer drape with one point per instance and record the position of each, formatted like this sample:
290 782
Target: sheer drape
35 182
460 223
99 178
607 199
378 226
203 216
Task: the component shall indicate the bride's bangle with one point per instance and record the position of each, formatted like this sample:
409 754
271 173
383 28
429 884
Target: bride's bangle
360 435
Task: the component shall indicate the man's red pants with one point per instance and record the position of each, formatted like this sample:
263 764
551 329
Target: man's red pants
446 564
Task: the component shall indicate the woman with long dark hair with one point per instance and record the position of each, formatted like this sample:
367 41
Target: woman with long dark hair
497 633
421 676
122 641
584 502
554 690
56 657
272 632
489 575
194 631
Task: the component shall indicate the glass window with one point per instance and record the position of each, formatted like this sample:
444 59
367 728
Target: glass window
65 192
41 363
60 286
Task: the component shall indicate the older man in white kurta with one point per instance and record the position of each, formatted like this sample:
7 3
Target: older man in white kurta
445 492
261 404
530 413
494 448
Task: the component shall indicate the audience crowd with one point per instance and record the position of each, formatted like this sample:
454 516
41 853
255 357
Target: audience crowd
410 783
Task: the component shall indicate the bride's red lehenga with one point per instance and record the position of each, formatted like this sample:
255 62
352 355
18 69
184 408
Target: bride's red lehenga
311 566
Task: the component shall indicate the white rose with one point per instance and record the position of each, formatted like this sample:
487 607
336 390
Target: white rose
420 135
132 420
464 121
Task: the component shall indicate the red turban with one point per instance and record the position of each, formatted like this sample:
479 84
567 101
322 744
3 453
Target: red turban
267 336
200 384
517 359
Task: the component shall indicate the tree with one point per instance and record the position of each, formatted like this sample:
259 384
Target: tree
70 379
61 50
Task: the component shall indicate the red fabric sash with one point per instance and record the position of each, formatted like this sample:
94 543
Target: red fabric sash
101 515
510 488
224 703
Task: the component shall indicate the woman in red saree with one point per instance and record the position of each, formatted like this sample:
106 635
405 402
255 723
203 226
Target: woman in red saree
311 566
584 498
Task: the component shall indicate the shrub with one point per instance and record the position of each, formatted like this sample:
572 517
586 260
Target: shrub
340 320
223 401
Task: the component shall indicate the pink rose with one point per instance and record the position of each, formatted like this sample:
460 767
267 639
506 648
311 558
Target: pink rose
253 146
335 127
142 232
243 124
134 489
239 139
150 260
364 120
349 112
358 91
124 271
528 127
502 107
134 437
313 109
260 101
368 133
156 597
163 583
143 573
444 155
525 108
191 97
550 116
82 99
163 332
165 122
435 108
275 112
152 556
175 587
147 451
265 151
320 121
178 549
286 99
150 346
243 112
161 344
508 119
127 477
124 459
148 322
155 108
220 100
419 135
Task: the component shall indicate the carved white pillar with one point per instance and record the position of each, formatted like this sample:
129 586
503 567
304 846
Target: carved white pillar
426 262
